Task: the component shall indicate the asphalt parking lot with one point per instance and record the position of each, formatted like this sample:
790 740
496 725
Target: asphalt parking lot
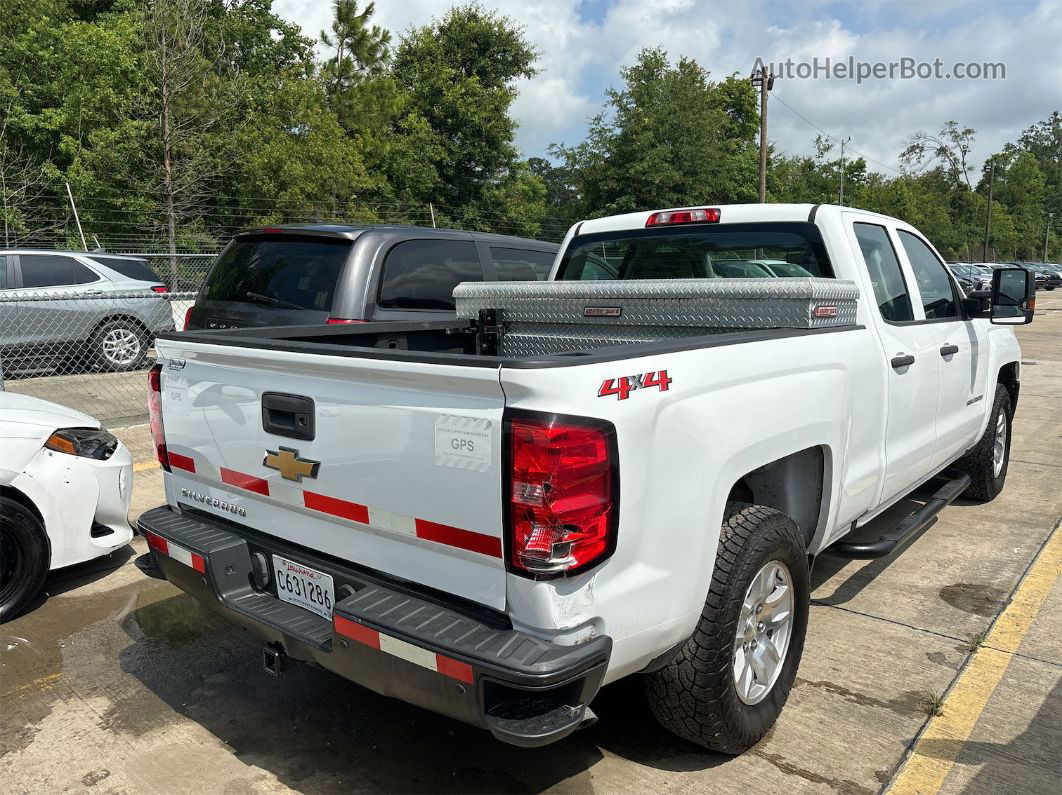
937 669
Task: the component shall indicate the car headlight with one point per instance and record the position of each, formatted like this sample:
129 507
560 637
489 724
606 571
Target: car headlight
84 442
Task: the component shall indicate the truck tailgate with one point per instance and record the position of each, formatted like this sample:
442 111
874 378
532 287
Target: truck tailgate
402 473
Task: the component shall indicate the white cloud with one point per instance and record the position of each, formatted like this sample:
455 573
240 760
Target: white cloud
580 58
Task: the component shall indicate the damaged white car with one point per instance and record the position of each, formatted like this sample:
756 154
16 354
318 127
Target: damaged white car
65 486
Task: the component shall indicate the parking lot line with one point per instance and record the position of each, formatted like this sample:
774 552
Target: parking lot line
925 772
141 466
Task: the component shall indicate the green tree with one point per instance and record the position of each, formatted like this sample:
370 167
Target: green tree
949 150
669 137
291 158
458 77
360 89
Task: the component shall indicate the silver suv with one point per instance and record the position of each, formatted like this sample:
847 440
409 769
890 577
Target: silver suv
80 308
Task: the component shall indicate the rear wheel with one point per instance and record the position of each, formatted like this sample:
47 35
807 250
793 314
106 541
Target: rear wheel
24 557
730 680
120 345
987 463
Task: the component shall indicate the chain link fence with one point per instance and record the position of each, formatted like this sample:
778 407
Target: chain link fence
88 346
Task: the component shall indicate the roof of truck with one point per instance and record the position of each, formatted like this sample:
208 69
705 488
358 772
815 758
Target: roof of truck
354 230
728 213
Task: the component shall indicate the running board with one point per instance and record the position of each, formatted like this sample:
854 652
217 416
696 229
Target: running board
912 524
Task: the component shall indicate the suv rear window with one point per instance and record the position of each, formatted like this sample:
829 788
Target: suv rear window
422 274
285 271
129 268
521 264
731 251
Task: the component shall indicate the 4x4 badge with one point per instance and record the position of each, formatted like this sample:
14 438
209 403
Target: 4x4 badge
290 466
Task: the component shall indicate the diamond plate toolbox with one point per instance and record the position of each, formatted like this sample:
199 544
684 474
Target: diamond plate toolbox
552 317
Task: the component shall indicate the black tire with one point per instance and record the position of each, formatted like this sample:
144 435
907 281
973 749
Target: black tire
979 463
119 346
25 556
695 696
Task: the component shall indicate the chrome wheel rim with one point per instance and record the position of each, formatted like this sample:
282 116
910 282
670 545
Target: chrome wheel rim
764 629
121 346
999 447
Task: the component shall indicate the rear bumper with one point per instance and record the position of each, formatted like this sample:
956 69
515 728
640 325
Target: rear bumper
418 647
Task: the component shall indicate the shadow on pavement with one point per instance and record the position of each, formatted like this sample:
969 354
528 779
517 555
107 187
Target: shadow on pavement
827 564
1030 763
318 732
67 579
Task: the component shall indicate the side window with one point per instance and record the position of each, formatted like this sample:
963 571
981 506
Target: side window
422 274
934 284
521 265
4 283
84 275
43 270
890 290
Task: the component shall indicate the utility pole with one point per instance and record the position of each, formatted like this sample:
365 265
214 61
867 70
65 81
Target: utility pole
840 199
988 218
1047 233
84 245
431 209
765 82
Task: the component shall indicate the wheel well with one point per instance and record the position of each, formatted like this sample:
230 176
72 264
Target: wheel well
130 318
14 494
792 485
1008 376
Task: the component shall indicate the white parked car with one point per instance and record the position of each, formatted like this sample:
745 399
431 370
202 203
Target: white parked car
627 469
65 486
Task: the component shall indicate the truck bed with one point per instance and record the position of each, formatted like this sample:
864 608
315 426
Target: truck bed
536 324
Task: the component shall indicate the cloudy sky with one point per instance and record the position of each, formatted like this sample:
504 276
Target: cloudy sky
583 44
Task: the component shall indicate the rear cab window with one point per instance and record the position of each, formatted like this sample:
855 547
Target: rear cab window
422 274
283 271
699 251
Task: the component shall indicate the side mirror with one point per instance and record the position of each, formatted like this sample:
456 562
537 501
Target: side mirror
1013 297
978 304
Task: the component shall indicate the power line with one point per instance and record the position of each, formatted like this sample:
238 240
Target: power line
835 138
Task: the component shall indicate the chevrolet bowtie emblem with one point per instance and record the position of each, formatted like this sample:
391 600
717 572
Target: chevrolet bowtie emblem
287 462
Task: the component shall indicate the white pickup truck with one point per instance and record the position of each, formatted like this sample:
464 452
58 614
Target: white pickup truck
494 516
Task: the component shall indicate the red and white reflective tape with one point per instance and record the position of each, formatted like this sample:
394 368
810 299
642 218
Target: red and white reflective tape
175 551
425 658
376 518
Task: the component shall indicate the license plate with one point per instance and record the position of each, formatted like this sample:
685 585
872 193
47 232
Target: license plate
300 585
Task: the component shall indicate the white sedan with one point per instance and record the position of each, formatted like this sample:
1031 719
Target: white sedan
65 486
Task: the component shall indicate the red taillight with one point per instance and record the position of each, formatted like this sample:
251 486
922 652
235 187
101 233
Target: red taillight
340 321
155 415
157 543
160 288
187 317
563 495
700 215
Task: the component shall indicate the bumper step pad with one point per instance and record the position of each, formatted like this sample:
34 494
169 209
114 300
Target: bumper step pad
410 646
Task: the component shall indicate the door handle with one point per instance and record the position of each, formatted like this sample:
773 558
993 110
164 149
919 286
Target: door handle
903 360
949 350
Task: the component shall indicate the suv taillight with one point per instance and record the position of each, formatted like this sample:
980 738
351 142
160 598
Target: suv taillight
564 495
155 415
188 317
